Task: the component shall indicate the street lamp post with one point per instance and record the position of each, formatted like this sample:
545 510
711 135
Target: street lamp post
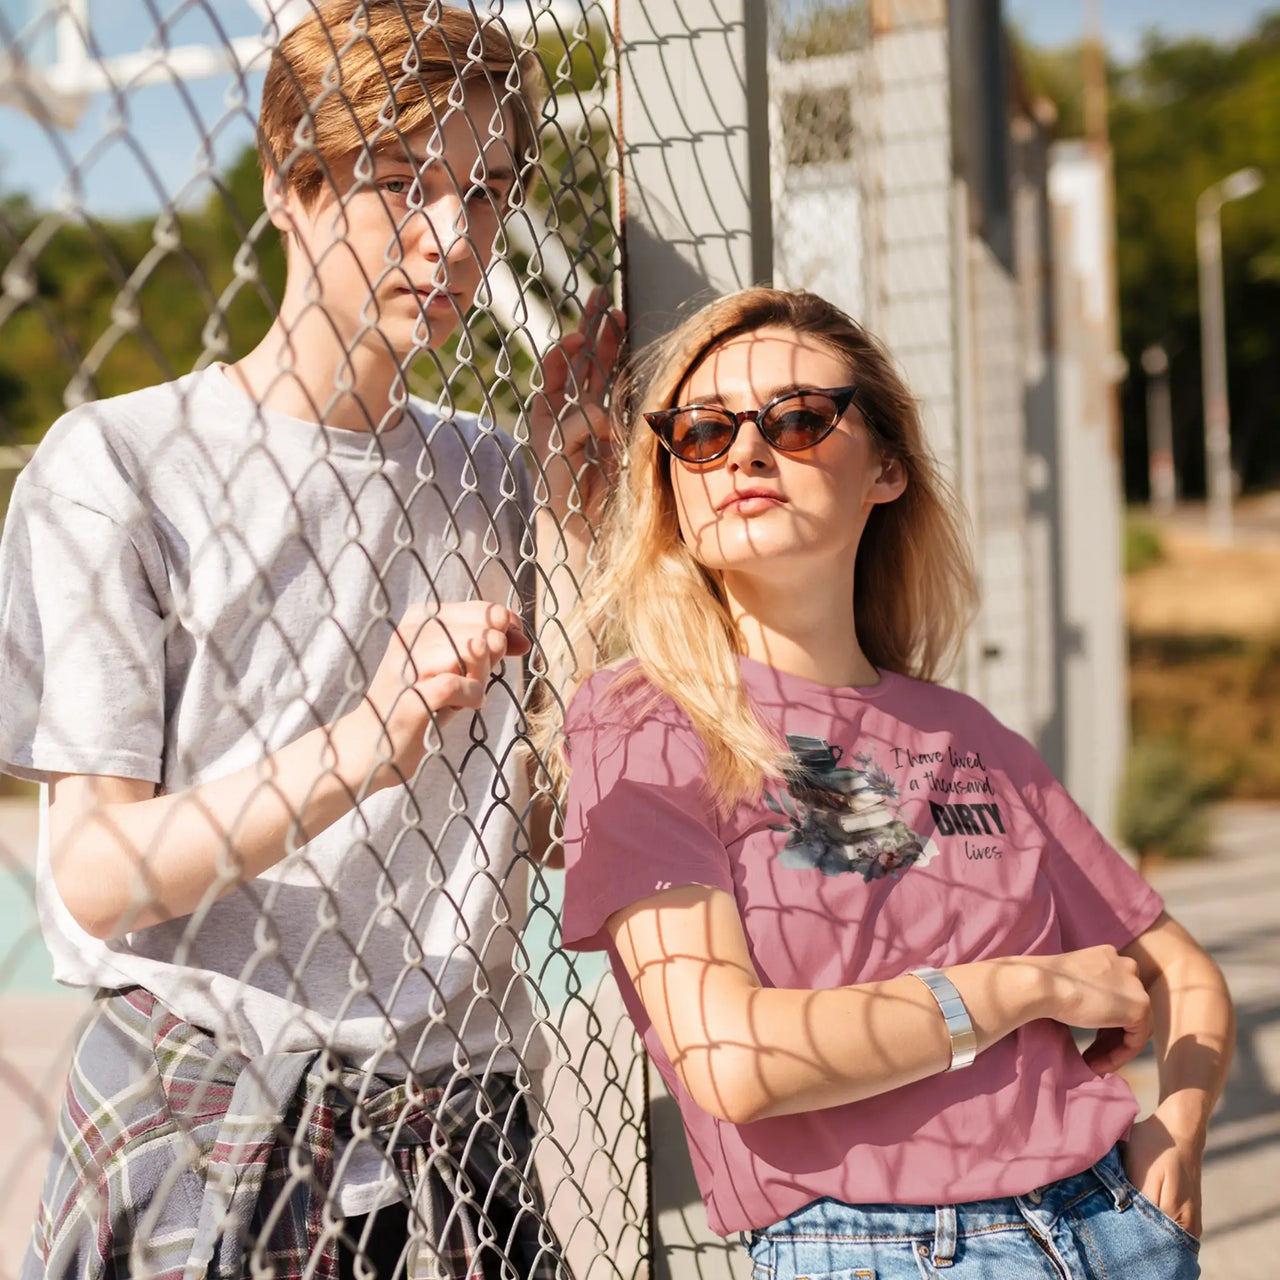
1163 475
1213 344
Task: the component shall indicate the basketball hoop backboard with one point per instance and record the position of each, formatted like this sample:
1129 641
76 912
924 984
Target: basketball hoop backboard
52 60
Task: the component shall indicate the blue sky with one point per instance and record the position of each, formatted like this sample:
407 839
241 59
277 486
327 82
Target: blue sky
1126 21
129 157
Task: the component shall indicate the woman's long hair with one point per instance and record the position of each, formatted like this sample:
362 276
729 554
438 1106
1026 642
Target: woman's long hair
647 598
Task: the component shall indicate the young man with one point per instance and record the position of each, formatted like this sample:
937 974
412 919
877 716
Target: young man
260 632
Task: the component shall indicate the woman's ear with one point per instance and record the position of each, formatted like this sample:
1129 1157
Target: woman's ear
891 483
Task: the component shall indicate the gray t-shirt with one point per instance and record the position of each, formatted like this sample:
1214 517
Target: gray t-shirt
187 583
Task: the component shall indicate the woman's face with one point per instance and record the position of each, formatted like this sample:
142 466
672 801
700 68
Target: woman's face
757 509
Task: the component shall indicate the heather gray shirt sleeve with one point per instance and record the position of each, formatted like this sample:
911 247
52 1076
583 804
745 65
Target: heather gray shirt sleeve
81 666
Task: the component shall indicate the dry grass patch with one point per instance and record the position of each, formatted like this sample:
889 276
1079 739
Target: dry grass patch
1218 700
1198 589
1204 670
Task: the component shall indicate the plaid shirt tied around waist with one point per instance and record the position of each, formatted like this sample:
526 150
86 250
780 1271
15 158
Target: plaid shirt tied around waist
176 1160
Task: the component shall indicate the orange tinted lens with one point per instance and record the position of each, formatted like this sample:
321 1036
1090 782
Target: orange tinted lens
698 434
799 421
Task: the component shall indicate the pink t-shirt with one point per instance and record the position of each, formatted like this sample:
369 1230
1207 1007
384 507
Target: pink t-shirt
912 829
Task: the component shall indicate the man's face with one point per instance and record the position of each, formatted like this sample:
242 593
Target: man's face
394 248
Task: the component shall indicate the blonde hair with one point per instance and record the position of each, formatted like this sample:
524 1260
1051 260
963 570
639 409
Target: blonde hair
647 598
363 73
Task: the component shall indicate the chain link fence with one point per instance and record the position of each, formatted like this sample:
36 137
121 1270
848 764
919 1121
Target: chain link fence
877 153
416 936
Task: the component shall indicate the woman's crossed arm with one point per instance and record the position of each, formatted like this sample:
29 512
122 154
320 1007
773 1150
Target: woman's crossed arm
745 1051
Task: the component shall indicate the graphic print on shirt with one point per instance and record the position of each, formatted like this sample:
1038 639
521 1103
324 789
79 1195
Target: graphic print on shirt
843 818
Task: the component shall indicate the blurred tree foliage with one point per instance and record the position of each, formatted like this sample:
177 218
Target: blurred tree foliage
1163 802
1185 114
128 303
816 28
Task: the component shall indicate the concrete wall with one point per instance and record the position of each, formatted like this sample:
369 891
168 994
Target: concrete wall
911 300
1000 677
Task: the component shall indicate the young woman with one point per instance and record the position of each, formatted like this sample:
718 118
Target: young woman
852 915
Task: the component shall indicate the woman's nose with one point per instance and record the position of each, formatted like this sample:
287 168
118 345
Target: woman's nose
749 450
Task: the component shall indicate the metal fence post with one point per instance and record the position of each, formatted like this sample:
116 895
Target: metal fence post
695 146
694 131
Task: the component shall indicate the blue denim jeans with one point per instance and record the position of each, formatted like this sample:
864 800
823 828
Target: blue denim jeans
1093 1226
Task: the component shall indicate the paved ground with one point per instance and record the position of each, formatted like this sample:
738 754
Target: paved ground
1230 901
37 1024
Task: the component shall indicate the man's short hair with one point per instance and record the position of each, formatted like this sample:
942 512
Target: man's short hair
362 73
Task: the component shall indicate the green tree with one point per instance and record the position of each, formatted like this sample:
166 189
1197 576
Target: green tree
1185 114
1056 74
94 308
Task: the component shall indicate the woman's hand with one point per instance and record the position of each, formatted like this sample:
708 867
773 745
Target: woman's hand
569 420
1164 1158
1194 1035
437 662
1099 988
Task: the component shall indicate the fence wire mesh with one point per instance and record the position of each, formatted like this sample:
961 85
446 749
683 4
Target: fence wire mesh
214 571
402 349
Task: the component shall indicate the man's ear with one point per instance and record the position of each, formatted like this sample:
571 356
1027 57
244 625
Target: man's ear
275 199
891 483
